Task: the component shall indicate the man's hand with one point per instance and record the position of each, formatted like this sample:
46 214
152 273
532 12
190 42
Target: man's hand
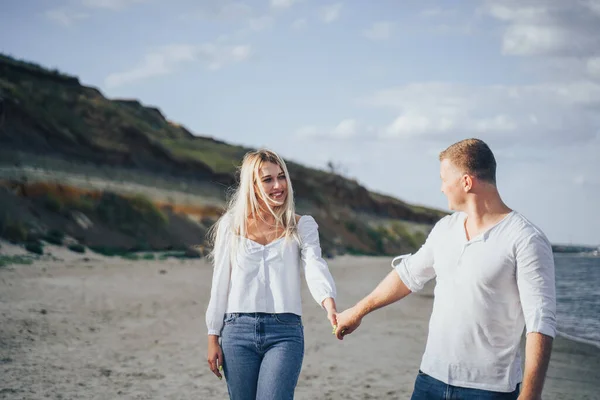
537 357
347 322
215 356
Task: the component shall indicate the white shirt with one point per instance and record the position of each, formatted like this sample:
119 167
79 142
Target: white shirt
267 278
488 289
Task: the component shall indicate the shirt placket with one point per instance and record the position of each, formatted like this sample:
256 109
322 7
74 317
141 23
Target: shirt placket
262 277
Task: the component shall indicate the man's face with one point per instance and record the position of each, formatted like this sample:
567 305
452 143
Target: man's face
451 185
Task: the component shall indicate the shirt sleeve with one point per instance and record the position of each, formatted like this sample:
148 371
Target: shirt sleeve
415 270
536 283
317 274
220 281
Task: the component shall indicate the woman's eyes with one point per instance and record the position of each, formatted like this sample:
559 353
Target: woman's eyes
267 180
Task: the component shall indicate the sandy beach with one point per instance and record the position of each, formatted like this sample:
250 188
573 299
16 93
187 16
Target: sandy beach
85 326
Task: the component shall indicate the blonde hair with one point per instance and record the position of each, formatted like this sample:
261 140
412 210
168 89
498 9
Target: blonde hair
472 156
244 203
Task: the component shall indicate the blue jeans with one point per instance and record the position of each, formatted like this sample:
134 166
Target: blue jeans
428 388
262 355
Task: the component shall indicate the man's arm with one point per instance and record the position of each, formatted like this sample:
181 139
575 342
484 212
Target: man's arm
537 357
389 290
537 292
408 276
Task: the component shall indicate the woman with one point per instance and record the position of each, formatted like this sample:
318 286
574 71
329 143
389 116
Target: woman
260 249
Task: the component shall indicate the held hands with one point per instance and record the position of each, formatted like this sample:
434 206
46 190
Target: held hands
347 322
215 356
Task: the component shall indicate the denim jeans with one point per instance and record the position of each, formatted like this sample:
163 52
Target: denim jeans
428 388
262 355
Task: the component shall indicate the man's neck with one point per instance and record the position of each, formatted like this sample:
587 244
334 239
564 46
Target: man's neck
484 212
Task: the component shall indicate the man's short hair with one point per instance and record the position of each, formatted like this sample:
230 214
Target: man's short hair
474 157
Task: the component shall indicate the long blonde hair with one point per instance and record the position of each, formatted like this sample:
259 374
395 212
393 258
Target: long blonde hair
244 203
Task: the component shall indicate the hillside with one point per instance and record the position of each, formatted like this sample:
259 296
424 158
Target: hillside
51 123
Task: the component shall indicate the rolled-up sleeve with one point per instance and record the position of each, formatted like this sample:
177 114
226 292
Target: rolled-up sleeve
318 277
415 270
536 283
220 281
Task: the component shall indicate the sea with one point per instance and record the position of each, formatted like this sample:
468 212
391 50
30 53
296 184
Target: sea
578 296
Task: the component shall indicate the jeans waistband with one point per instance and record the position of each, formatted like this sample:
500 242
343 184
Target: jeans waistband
257 314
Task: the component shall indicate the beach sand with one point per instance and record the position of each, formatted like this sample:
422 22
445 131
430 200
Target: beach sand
85 326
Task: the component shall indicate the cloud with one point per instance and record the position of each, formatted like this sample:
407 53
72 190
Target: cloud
280 4
300 23
330 13
379 31
65 17
549 114
593 67
223 10
110 4
260 23
165 60
552 28
345 129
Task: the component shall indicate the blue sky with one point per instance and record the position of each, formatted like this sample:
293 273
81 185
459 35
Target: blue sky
378 88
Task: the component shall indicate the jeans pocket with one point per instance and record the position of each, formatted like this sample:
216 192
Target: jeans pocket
229 318
288 319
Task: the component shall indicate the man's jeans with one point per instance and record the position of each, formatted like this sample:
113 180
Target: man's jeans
262 355
428 388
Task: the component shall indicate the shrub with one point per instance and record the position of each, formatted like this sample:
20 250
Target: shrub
14 232
8 260
132 216
34 247
83 204
53 203
351 226
54 236
77 248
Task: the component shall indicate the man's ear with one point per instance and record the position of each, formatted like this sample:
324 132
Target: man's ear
467 182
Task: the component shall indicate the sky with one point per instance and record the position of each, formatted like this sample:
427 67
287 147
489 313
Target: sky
376 88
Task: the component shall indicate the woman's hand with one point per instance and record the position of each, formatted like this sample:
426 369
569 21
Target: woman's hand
215 356
329 305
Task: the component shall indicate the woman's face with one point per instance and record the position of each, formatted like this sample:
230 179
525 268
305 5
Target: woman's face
273 182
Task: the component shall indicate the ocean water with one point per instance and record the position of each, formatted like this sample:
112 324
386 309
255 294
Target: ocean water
578 296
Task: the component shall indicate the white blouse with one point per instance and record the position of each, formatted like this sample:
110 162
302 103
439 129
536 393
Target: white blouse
266 278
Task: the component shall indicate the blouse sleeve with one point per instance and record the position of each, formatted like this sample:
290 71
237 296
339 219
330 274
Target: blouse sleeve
220 281
319 279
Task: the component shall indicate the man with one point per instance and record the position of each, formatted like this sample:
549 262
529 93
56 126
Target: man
494 275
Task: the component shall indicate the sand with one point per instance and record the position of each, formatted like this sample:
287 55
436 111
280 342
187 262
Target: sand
84 326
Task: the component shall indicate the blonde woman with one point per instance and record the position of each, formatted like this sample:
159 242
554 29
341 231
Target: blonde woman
261 247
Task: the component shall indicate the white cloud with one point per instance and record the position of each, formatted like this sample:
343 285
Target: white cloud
65 17
260 23
165 60
110 4
431 12
437 12
593 67
330 13
222 10
379 31
345 129
307 131
300 23
547 113
283 3
551 28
